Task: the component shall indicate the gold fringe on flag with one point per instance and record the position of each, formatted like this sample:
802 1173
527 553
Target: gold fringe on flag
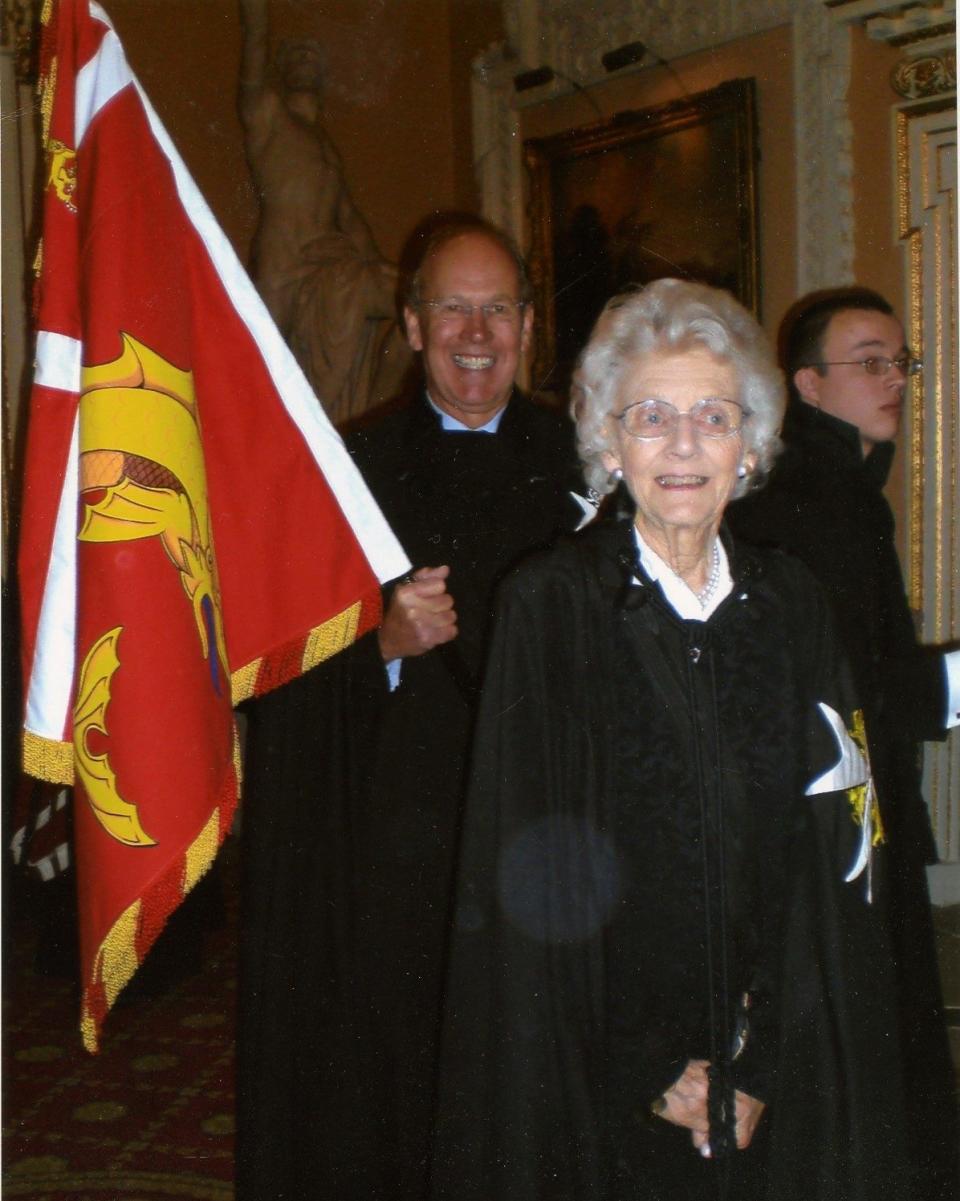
47 86
45 759
117 960
237 758
201 853
243 681
113 968
321 643
332 636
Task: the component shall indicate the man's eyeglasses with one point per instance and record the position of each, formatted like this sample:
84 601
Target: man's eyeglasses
454 311
878 365
712 418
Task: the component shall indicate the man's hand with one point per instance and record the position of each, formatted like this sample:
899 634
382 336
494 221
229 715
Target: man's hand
419 617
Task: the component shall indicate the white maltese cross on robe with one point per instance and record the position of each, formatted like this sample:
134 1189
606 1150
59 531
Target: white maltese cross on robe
851 774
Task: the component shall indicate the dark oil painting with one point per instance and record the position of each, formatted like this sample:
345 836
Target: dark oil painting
664 191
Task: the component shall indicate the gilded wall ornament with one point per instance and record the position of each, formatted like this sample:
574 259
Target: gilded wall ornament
929 75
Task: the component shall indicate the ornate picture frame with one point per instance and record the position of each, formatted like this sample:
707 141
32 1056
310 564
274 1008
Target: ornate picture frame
668 190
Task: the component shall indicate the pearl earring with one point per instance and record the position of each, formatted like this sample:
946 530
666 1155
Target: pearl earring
741 472
616 475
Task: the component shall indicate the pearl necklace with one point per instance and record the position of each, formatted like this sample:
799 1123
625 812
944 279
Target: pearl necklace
705 595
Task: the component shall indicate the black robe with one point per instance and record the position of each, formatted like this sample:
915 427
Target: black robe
617 749
352 804
824 503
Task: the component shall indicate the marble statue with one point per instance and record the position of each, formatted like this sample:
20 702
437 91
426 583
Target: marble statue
314 258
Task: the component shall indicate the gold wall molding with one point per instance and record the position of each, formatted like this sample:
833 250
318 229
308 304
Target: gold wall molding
924 76
926 205
926 149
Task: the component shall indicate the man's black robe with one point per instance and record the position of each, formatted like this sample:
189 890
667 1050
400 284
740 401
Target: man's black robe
353 800
824 503
617 748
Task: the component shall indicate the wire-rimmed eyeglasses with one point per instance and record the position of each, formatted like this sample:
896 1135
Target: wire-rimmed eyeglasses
712 418
906 364
453 310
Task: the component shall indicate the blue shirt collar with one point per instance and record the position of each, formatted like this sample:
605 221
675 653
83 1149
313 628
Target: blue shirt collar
452 425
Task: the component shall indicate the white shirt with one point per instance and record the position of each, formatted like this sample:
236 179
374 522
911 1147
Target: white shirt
680 596
951 665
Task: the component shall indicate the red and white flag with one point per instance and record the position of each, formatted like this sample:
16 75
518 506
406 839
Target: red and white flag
194 532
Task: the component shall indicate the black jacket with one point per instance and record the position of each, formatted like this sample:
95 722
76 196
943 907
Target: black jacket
617 749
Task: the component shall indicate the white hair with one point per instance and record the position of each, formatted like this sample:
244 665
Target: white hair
674 315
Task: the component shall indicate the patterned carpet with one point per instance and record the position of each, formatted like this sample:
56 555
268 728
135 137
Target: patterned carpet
151 1116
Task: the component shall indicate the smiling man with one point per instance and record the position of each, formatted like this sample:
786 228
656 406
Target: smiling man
355 771
469 311
471 476
849 366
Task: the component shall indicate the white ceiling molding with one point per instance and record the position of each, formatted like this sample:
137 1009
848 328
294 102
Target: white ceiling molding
893 20
926 33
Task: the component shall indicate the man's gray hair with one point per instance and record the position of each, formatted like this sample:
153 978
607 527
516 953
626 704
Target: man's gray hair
672 315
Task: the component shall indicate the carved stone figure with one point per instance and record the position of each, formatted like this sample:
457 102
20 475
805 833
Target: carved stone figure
314 258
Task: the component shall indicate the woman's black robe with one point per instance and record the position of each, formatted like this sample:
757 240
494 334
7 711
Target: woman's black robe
610 734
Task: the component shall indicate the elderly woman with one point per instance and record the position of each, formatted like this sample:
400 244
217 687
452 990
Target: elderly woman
668 978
